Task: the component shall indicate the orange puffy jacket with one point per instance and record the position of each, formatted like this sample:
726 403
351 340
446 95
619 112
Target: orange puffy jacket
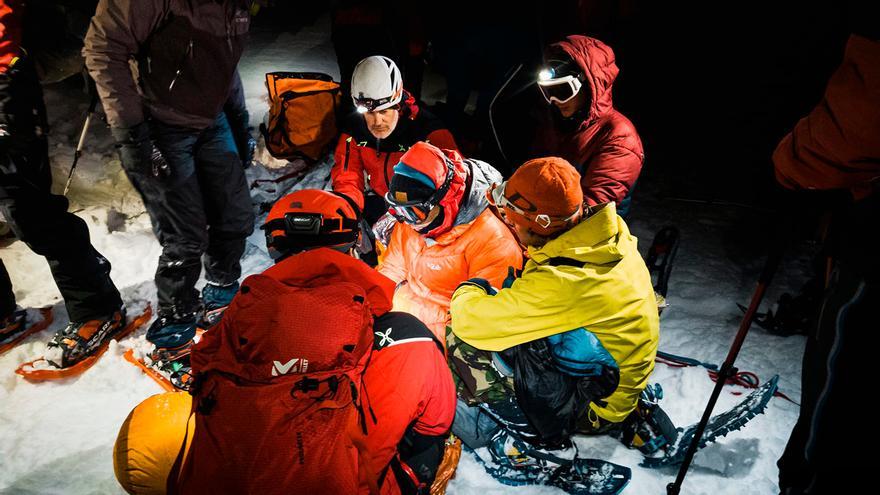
427 271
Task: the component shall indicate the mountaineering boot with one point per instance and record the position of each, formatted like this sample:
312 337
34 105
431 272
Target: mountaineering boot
648 428
79 340
172 334
174 364
216 299
13 325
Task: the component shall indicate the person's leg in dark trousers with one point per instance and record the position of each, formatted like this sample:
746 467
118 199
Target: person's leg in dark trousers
40 218
177 212
7 297
227 200
822 444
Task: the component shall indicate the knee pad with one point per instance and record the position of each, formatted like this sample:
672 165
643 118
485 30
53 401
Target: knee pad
152 442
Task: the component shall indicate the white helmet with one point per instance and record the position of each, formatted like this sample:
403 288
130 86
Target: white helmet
376 84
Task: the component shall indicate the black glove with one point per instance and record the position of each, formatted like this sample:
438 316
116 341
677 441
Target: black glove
138 153
247 158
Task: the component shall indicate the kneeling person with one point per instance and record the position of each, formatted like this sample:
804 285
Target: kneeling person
310 383
575 335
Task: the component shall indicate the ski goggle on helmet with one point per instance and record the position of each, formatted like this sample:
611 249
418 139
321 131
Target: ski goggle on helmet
376 84
416 212
311 218
499 200
560 82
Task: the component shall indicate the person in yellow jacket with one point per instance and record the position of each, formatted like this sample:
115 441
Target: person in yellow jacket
585 295
445 232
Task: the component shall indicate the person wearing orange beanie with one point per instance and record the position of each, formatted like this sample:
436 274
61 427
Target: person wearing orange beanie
584 297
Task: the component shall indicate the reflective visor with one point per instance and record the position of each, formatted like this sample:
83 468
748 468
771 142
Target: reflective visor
560 90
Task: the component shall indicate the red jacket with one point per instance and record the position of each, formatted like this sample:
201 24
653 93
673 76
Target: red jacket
10 31
837 146
358 151
604 146
409 386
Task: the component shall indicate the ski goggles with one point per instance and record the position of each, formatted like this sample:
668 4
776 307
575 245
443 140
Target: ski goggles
500 201
560 90
416 212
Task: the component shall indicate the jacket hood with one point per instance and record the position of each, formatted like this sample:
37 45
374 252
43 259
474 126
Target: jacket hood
596 59
324 266
599 239
481 177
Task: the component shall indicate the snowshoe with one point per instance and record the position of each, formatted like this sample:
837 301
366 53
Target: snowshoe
79 340
591 476
216 299
78 347
173 365
718 426
578 476
157 377
15 328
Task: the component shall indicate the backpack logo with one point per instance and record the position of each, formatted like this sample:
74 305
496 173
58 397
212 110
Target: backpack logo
295 365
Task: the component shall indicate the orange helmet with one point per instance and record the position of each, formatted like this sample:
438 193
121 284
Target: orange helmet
311 218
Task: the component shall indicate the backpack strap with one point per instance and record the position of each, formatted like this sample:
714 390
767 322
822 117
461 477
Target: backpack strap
396 328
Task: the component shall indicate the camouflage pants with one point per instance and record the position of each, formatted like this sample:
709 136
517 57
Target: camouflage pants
477 379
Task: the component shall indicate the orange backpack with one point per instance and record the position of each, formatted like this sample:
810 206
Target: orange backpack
278 395
302 114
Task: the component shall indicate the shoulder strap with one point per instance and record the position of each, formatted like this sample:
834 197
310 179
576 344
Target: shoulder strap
396 328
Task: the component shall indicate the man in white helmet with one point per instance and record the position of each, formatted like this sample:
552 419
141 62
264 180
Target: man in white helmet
386 124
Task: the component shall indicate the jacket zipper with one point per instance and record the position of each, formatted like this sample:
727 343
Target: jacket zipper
188 54
385 168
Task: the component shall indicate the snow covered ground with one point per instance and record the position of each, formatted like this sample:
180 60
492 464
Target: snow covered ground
58 437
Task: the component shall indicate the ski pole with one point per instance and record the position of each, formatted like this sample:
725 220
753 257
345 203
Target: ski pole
727 369
82 138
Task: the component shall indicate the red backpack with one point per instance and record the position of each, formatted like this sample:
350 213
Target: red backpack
278 395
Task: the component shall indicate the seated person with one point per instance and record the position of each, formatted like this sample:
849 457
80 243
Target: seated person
445 232
387 122
584 302
404 404
586 129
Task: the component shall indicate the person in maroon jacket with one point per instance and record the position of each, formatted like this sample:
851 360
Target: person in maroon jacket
588 131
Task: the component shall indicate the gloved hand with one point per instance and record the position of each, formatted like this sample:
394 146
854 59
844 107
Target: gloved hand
247 156
139 154
383 227
479 282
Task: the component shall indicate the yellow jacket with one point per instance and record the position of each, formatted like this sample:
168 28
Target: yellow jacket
610 295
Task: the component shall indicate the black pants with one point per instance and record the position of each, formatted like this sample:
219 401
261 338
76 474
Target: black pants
203 209
836 419
40 218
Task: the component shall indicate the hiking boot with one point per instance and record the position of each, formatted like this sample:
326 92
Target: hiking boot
79 340
216 299
174 364
12 325
648 428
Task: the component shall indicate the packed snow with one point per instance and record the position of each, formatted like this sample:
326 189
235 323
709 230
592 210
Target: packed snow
58 437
